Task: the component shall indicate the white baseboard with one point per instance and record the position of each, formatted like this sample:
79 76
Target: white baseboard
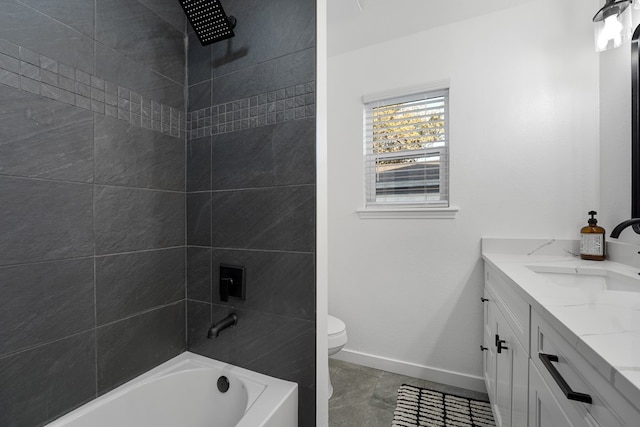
455 379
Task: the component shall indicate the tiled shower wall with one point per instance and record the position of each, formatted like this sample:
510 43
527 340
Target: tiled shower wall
251 191
92 202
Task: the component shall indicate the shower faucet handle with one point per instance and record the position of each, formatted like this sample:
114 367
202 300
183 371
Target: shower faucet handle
225 283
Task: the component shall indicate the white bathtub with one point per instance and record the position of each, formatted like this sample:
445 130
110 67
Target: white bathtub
183 392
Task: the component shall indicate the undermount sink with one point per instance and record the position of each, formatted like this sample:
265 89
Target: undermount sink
588 278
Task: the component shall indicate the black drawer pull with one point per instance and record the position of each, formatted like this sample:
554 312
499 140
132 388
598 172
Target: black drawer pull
570 394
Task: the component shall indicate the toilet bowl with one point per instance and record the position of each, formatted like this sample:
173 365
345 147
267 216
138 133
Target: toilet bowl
337 338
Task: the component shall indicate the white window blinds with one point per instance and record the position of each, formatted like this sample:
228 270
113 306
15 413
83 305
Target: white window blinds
406 150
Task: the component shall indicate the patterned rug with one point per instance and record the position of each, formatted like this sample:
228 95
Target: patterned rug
422 407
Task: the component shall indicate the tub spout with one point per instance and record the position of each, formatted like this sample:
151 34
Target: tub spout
225 323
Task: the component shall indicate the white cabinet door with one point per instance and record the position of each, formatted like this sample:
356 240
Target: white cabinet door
505 368
489 349
544 408
510 400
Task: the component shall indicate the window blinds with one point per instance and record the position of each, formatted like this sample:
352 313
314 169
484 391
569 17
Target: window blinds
406 150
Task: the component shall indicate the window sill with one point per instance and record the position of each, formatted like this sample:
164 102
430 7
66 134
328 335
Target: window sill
407 213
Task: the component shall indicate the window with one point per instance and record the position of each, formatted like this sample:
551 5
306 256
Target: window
406 151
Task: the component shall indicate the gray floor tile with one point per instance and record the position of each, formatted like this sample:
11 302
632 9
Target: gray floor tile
377 417
384 396
366 397
351 367
351 388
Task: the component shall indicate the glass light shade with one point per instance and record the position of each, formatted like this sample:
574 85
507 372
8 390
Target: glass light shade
612 25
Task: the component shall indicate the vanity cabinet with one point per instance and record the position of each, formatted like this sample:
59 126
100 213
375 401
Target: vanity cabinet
537 378
505 356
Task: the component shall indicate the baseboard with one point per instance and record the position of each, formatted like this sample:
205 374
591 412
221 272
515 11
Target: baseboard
442 376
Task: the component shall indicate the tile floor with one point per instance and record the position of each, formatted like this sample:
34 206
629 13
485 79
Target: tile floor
366 397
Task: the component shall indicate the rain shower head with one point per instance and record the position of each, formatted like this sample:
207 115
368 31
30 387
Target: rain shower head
208 19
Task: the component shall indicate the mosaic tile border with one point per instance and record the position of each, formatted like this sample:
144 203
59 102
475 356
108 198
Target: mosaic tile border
290 103
27 70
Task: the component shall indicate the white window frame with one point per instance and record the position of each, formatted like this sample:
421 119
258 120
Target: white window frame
406 209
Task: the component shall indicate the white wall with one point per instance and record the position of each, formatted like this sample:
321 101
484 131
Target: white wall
524 163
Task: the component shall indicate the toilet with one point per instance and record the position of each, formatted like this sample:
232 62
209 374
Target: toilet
337 337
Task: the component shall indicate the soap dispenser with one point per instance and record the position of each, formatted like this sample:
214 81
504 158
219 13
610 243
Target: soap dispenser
592 240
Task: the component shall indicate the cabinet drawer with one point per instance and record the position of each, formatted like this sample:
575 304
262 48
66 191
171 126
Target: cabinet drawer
608 407
514 308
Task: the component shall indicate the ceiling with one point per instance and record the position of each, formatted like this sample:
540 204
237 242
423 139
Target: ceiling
354 24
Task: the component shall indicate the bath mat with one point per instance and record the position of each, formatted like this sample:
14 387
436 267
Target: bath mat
422 407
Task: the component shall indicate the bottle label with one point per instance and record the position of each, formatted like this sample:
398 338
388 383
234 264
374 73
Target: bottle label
592 244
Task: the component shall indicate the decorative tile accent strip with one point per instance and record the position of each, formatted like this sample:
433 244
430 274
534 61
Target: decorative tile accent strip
291 103
24 69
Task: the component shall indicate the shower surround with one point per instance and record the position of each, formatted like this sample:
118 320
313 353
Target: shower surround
97 204
251 191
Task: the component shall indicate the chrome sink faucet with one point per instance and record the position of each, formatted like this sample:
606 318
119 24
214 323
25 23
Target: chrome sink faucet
633 222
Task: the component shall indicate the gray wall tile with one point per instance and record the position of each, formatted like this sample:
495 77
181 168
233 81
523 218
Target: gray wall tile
117 68
199 164
277 282
40 384
198 324
134 282
275 345
26 27
199 274
78 14
199 95
156 43
271 218
200 67
169 10
266 30
136 157
46 185
44 220
131 219
43 138
44 302
288 70
132 346
280 154
199 219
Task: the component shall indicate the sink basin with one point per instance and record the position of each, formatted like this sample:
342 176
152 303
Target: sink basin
588 278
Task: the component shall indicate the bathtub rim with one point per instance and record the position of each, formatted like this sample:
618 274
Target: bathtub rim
265 394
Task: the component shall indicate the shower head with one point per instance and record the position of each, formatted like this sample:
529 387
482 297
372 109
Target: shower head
208 19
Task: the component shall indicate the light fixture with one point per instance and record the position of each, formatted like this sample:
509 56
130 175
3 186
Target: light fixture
612 24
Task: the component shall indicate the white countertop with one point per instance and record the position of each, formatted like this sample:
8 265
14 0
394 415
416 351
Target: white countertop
603 325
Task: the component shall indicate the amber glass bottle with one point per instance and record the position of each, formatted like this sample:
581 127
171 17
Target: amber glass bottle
592 240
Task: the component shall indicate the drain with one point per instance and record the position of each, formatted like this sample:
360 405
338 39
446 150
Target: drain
223 384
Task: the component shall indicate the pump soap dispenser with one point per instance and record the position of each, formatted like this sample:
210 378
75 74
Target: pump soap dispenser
592 240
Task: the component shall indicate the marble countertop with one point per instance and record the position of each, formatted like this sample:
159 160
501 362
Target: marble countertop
604 326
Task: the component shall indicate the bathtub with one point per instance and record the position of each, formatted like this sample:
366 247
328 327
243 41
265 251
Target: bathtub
183 392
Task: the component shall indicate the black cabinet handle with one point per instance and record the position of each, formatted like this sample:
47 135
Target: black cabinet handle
483 348
500 346
568 392
483 299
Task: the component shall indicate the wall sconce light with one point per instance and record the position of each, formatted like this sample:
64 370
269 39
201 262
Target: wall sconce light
612 24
